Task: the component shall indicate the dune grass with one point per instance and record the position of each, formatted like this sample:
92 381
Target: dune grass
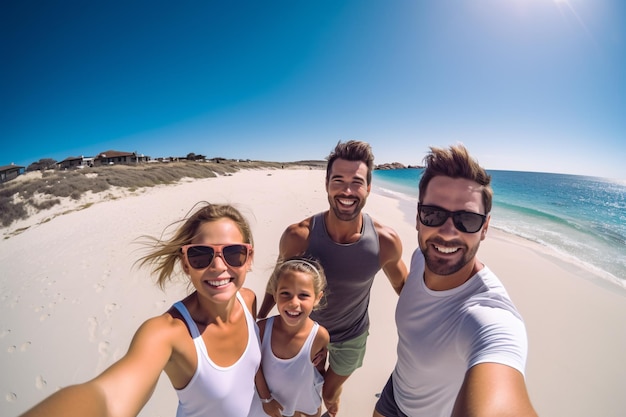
20 197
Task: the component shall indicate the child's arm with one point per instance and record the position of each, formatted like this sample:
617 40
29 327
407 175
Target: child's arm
319 350
271 407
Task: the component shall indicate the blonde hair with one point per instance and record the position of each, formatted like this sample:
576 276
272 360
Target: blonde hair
300 264
163 257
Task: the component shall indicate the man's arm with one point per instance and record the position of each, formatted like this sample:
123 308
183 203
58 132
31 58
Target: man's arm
391 256
293 242
493 389
266 305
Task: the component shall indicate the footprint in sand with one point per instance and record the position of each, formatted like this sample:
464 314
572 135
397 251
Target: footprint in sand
109 308
92 328
104 349
24 346
10 397
40 383
12 349
4 332
160 304
105 276
119 353
98 287
15 302
44 316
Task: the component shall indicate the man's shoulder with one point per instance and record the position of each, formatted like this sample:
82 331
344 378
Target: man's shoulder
295 238
385 233
301 228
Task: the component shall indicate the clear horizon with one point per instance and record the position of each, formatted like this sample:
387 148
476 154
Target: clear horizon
526 85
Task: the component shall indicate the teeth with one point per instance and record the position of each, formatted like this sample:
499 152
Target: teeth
347 202
219 283
293 313
446 250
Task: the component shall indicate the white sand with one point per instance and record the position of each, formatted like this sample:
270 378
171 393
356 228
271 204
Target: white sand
71 299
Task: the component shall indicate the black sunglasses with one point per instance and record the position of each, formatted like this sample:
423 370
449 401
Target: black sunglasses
201 256
464 221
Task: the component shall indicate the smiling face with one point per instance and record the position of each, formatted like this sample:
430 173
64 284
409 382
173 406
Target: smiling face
449 253
347 188
295 297
219 281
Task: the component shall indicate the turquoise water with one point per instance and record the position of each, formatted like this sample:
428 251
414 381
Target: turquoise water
582 218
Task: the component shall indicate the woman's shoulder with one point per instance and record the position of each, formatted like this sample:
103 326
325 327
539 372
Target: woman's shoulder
249 297
164 329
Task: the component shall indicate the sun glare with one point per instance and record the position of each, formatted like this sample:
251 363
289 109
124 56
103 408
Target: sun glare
570 8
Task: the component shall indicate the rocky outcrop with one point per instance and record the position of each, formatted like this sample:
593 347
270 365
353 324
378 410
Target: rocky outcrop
396 165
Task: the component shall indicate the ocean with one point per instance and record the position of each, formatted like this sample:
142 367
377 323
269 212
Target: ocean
581 219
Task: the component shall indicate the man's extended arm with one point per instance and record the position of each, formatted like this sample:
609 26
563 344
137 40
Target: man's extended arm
391 257
493 389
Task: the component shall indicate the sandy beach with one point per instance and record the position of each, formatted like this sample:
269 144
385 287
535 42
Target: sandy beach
71 298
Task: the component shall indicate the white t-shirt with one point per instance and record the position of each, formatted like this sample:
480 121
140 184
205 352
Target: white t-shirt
442 334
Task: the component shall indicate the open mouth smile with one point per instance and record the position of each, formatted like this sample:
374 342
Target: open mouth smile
219 282
346 202
445 250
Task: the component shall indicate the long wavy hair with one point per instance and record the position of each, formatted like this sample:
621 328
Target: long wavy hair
166 254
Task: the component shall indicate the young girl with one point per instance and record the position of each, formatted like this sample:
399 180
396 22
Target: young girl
288 382
206 344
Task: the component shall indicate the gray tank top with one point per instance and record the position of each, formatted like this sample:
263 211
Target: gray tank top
350 270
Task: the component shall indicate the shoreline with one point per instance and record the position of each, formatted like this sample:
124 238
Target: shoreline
581 269
72 298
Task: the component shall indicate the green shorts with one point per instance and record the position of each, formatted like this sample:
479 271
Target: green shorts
346 357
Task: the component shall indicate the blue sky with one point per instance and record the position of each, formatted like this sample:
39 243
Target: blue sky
531 85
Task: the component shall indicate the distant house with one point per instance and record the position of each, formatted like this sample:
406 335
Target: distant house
116 157
75 162
9 172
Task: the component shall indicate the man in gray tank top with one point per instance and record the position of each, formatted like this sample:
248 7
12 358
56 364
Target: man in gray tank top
352 248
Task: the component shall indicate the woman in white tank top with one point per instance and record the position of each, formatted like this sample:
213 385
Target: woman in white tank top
207 344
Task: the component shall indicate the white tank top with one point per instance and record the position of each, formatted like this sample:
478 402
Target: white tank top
295 383
216 390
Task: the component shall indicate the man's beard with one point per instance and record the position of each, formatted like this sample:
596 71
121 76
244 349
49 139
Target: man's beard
358 206
444 267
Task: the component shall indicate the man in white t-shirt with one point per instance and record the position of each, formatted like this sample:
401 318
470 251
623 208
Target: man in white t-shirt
462 345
